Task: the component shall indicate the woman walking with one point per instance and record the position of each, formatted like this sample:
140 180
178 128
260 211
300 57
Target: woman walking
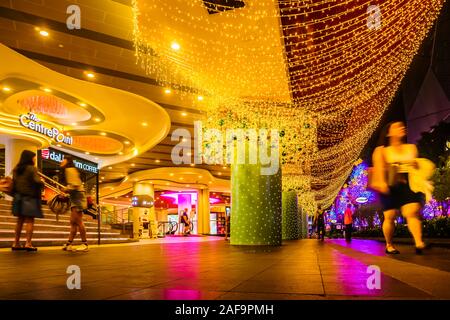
27 187
393 161
74 186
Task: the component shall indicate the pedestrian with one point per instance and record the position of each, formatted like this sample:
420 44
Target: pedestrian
320 223
27 186
74 186
348 222
185 222
394 164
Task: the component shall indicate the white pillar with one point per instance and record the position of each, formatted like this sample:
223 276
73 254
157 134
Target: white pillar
13 150
139 213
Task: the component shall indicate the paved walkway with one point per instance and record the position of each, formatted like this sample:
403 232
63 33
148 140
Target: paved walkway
211 269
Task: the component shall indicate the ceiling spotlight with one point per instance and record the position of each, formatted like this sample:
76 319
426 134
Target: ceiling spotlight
126 142
133 164
200 98
87 152
97 119
184 114
167 91
47 89
89 74
220 173
6 89
120 153
175 46
83 105
157 161
44 33
144 124
103 133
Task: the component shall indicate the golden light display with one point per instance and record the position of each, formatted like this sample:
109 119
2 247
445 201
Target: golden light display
335 65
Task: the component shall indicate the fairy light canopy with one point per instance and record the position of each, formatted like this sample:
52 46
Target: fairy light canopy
333 64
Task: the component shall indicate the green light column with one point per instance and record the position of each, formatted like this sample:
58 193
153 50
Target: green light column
255 206
291 218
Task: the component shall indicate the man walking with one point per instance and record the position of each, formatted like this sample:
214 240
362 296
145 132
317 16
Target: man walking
348 221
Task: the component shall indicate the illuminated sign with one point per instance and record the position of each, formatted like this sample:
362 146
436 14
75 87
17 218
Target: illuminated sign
31 121
361 200
56 156
142 201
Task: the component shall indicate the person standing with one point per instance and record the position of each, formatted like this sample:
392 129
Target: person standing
393 161
185 221
320 223
27 187
348 222
78 203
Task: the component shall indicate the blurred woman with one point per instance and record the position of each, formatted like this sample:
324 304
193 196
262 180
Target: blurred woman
393 160
78 203
27 187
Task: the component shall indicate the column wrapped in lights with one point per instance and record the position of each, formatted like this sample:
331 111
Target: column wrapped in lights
291 219
256 211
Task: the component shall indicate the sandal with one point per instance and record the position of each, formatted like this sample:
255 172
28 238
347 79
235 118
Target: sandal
30 249
394 251
17 248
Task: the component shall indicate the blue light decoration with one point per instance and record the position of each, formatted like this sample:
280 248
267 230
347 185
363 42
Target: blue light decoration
354 191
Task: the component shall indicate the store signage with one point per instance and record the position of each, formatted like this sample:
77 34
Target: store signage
362 200
142 201
56 156
31 121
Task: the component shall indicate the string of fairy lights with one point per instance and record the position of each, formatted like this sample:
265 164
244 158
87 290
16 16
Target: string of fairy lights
315 70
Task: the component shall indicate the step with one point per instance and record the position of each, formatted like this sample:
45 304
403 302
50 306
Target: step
53 222
38 233
7 243
40 226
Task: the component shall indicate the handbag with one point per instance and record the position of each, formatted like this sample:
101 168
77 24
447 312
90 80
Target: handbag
7 186
59 204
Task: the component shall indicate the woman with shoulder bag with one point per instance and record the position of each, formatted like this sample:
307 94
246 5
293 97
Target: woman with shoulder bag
71 178
400 177
27 187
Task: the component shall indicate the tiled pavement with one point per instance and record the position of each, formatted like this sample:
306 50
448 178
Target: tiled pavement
304 269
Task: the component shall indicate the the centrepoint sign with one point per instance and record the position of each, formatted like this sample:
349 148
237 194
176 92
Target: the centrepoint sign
50 154
31 121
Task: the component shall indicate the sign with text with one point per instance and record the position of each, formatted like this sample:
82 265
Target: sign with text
57 156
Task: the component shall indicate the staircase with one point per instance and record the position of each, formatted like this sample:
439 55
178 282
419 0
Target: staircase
49 232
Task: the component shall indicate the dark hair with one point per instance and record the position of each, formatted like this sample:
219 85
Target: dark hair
26 159
383 139
69 163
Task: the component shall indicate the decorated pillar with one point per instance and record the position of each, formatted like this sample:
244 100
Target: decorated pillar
256 206
144 219
291 219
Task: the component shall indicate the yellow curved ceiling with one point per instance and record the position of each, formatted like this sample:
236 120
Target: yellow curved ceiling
106 122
